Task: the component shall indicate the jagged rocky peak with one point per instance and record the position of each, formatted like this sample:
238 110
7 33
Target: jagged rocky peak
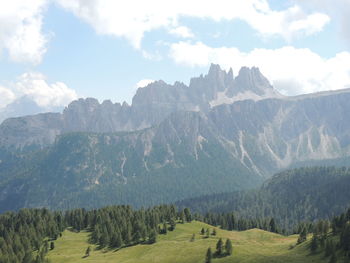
88 104
216 76
152 93
250 84
251 79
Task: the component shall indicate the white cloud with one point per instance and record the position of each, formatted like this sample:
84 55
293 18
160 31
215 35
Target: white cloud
291 70
45 94
132 18
6 96
21 30
338 10
182 31
143 83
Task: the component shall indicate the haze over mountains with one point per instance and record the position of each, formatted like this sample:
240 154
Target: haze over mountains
221 133
24 106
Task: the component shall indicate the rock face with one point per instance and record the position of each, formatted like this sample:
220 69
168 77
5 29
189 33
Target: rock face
150 106
218 134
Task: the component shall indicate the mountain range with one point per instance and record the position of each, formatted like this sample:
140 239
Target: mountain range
218 134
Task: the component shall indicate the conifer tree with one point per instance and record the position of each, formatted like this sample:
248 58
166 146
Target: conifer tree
165 230
333 258
153 237
52 245
302 236
208 256
273 227
219 247
228 247
182 217
193 237
172 224
202 231
46 246
87 252
328 248
118 240
314 243
188 215
28 258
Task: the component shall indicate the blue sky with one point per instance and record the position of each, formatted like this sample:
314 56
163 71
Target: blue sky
58 50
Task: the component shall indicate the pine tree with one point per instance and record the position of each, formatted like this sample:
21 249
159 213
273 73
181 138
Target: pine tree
46 246
208 256
193 237
188 215
273 227
165 230
172 224
202 231
28 258
329 248
182 217
333 258
302 236
314 243
152 237
228 247
52 245
118 240
87 252
219 247
214 232
207 232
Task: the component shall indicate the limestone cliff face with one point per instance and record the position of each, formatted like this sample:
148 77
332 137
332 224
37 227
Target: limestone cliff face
150 106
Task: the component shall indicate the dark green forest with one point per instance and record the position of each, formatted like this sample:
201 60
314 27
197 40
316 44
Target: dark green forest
292 196
332 238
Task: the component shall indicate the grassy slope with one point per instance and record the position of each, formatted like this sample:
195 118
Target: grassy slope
248 246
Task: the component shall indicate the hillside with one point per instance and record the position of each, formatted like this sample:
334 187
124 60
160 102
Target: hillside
292 196
253 245
161 164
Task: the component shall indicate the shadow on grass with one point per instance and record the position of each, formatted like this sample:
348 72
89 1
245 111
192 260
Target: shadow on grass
216 255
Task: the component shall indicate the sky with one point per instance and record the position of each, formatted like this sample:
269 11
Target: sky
55 51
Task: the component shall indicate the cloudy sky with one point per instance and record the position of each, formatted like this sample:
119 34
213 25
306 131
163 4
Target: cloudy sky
57 50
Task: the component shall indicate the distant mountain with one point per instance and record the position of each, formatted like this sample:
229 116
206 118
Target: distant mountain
181 157
24 106
219 134
291 197
150 105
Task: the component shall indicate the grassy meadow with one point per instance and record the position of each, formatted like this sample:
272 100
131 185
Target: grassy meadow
254 245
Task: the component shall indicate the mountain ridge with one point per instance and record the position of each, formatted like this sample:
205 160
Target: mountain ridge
184 148
149 107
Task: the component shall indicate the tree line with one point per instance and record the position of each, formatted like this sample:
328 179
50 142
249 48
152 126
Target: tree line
331 237
230 221
26 236
290 197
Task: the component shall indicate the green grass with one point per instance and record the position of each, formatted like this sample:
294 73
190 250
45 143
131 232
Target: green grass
254 245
